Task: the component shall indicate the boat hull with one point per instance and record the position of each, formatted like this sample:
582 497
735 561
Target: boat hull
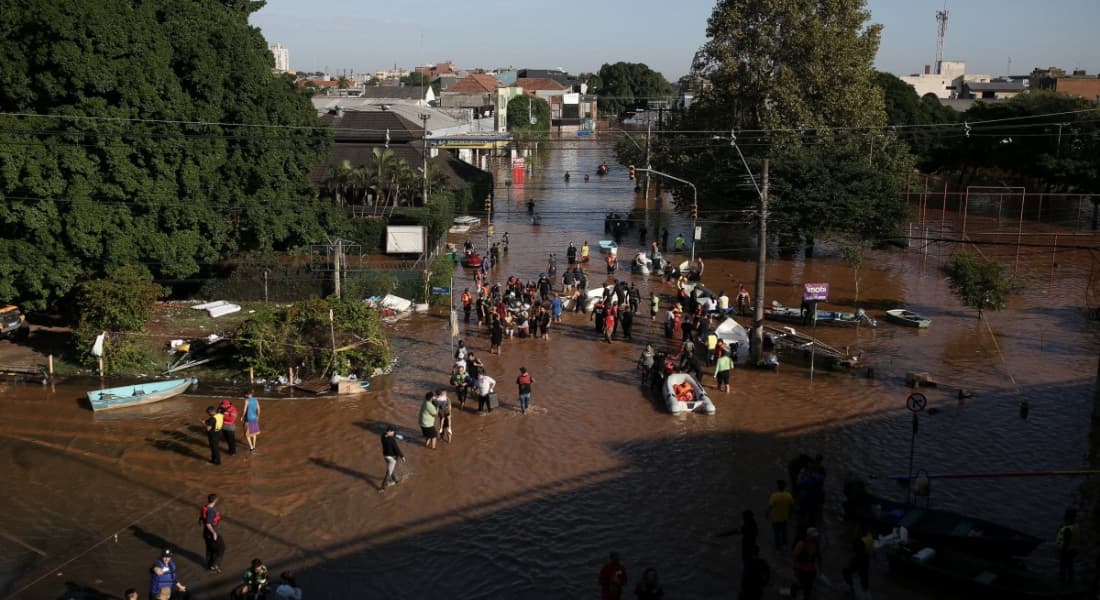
138 394
978 577
907 318
949 529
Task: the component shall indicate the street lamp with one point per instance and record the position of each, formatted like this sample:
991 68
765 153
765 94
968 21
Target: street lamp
694 202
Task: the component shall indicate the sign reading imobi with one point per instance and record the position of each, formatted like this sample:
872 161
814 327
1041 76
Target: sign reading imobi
815 291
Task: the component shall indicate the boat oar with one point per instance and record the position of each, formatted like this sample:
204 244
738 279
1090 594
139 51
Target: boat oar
996 474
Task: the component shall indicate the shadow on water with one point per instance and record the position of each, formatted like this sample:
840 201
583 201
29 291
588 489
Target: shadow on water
570 524
178 443
76 591
326 464
379 427
159 543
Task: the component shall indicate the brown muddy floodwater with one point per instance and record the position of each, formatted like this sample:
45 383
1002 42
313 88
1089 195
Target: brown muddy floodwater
529 506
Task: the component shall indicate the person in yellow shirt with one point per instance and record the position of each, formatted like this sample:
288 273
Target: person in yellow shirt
779 509
584 252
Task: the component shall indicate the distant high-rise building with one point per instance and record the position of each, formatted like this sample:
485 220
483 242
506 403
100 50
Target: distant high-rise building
282 57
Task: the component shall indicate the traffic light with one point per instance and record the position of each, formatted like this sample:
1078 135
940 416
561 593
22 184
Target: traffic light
694 212
631 169
488 204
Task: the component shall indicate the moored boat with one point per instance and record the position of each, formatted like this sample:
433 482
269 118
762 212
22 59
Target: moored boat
138 394
609 247
907 318
787 314
783 314
467 220
978 577
847 319
945 528
799 348
698 400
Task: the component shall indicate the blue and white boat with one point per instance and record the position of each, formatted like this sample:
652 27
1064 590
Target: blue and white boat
139 393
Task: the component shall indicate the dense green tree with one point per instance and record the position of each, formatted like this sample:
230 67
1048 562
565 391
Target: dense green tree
781 64
1046 141
119 305
979 283
521 110
592 80
904 109
415 79
150 133
792 81
274 339
621 85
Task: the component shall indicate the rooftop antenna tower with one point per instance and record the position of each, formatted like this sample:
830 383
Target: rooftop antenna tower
941 19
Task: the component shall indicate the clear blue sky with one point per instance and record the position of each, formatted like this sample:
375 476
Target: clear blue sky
581 35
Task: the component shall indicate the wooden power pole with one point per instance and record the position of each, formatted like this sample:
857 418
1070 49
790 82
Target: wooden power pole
756 343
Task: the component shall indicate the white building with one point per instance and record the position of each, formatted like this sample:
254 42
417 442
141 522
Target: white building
282 57
945 84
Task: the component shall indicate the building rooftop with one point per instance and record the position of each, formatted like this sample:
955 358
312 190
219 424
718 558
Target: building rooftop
540 84
478 83
997 86
394 91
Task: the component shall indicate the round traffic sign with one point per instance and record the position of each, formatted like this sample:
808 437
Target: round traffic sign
916 402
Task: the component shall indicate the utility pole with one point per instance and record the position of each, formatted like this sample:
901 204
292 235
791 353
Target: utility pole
336 259
424 119
648 129
756 343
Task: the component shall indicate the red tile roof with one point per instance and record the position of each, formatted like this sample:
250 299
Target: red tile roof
539 83
478 83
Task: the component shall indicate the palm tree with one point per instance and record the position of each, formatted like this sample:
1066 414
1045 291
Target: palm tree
381 162
336 181
402 178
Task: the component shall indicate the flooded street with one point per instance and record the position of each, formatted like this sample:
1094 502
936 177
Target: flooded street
528 506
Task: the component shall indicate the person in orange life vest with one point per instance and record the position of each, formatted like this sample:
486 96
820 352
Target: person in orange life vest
210 518
229 424
683 391
467 303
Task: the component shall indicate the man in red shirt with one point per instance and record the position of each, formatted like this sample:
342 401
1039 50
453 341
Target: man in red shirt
612 579
229 424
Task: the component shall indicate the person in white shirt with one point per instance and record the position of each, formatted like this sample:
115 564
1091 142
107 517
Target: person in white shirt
485 386
711 305
723 302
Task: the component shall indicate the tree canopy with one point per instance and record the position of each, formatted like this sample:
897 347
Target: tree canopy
621 85
979 283
781 64
1047 141
521 110
152 133
791 81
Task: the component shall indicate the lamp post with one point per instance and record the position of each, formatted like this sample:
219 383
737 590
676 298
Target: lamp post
694 202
